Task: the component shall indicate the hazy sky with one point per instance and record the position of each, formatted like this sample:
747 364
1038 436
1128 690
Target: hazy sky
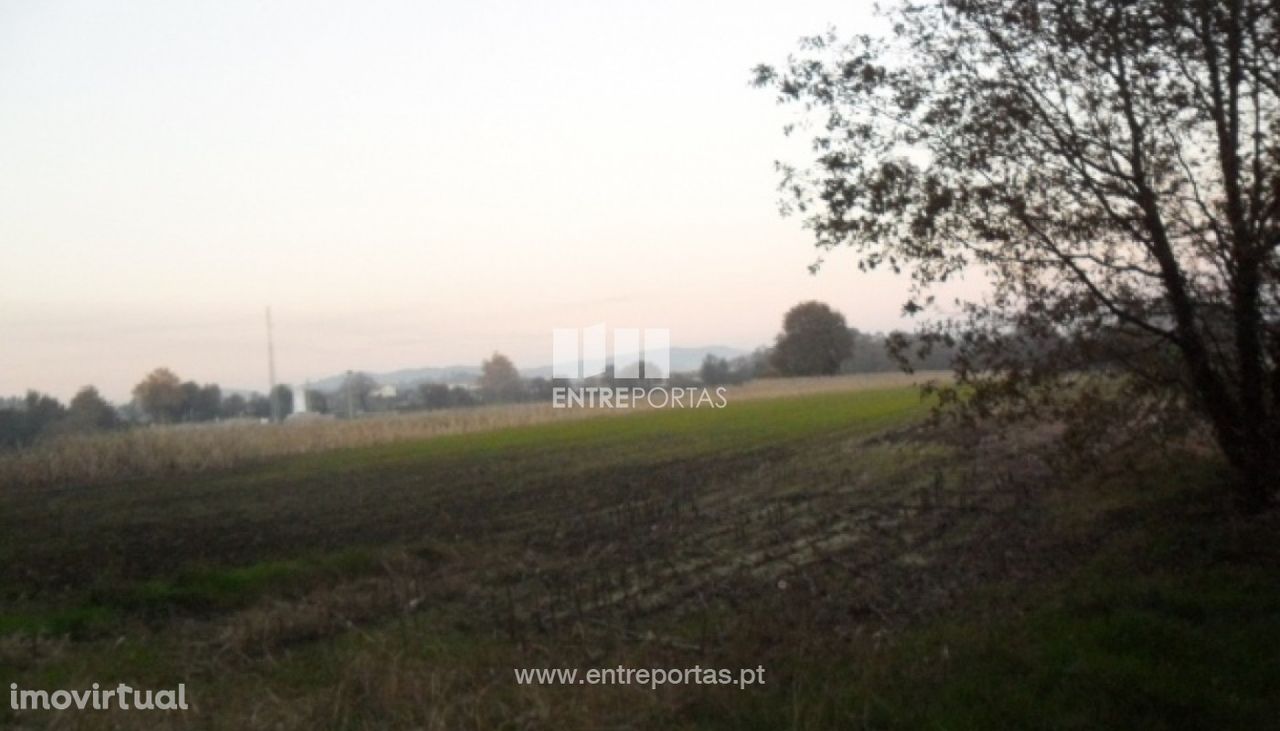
407 184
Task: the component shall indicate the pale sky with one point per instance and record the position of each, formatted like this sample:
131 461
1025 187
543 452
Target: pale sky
406 184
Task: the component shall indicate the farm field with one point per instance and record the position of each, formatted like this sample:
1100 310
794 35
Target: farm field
884 573
160 451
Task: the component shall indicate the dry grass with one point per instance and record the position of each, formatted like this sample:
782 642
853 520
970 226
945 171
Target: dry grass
161 450
185 449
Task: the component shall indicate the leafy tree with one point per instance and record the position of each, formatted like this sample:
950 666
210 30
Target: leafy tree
258 406
716 371
756 364
200 403
356 393
282 396
190 399
43 412
36 414
317 401
12 428
441 396
1110 168
88 411
460 396
434 395
233 407
814 340
207 403
161 396
539 388
875 352
499 379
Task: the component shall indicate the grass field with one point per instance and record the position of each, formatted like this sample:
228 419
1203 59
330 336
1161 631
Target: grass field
175 450
884 574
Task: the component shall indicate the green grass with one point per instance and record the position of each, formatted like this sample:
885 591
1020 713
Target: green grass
1174 623
1169 618
228 588
193 590
1170 652
363 496
642 436
74 621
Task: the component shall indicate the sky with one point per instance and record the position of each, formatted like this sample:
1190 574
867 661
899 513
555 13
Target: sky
405 184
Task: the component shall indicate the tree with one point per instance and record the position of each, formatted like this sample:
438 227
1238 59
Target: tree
539 388
234 407
460 396
283 398
876 353
206 403
13 428
757 364
35 415
258 406
88 411
357 388
499 379
42 412
190 391
200 403
317 401
160 396
434 395
1110 168
814 340
716 371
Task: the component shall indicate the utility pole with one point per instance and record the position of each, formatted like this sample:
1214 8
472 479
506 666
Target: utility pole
271 371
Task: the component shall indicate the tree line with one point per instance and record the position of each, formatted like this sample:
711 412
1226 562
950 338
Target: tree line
817 341
814 340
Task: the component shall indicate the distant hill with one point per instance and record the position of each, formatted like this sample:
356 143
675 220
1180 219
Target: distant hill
683 360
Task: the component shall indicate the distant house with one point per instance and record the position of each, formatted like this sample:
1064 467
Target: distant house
387 392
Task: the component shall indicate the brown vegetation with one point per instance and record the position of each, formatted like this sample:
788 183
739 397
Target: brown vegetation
103 457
